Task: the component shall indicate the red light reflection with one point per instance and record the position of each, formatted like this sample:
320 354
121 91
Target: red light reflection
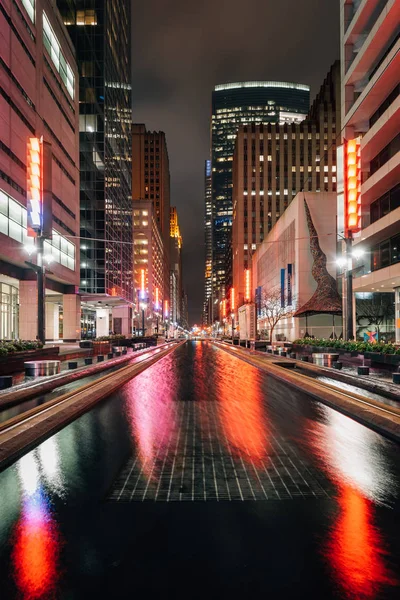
151 412
241 408
36 549
355 547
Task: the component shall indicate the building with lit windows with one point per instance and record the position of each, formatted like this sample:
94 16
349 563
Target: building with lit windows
39 97
233 105
101 34
370 53
148 258
175 269
272 163
208 306
151 181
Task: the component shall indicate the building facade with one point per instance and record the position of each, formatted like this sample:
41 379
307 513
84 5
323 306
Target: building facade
39 98
208 306
370 53
281 267
148 268
233 105
175 293
101 34
151 181
272 163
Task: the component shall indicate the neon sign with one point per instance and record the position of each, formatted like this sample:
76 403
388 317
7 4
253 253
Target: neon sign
247 285
34 186
352 168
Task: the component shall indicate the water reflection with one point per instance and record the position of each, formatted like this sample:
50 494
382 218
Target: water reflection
151 413
36 537
355 548
241 408
354 459
352 455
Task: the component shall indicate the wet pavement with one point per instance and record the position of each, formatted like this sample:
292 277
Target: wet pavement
204 477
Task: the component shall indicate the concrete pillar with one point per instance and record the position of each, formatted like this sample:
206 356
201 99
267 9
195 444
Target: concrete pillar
52 313
397 314
71 317
102 322
28 310
125 324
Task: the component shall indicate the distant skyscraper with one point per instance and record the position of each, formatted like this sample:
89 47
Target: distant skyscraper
207 309
175 268
151 181
100 31
236 104
272 163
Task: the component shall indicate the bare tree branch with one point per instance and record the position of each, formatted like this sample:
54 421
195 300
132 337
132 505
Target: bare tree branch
272 310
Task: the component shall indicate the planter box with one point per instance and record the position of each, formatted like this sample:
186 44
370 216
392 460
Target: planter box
14 362
101 347
86 344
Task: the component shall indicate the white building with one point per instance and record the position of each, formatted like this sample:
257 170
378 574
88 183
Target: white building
370 53
284 262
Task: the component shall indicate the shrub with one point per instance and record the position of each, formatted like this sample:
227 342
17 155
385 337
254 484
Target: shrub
110 338
349 346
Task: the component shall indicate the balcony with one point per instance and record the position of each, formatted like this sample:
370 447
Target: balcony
361 17
380 133
365 49
385 178
375 91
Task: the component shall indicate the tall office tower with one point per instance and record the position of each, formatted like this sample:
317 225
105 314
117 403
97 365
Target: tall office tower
272 163
235 104
148 261
100 31
151 181
175 269
39 97
207 307
370 77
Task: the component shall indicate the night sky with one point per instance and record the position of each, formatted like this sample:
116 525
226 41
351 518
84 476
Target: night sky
181 49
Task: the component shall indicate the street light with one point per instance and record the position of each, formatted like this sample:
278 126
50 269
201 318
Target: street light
143 307
346 263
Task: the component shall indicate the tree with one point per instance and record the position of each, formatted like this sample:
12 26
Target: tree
272 310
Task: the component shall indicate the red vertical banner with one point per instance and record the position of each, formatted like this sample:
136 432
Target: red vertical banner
247 285
34 186
233 300
352 182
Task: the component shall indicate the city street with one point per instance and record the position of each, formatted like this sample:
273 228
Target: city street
203 477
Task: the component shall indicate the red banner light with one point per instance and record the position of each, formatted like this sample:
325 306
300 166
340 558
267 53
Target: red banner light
223 308
166 309
352 168
34 197
232 299
142 284
247 285
157 295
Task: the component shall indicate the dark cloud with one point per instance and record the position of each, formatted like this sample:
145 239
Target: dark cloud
182 49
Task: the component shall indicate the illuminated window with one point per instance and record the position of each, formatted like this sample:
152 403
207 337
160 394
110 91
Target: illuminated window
86 17
52 46
13 223
29 6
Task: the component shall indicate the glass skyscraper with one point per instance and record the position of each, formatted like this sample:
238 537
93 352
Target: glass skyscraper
235 104
207 309
101 33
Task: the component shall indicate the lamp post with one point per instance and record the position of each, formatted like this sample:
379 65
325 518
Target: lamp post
346 263
233 327
143 307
